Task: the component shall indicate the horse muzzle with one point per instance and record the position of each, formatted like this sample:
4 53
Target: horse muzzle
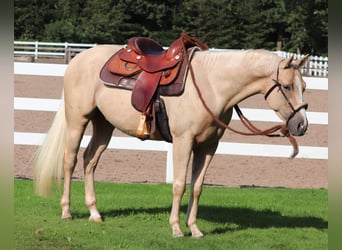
297 123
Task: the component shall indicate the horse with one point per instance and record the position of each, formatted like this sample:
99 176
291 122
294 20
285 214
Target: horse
224 78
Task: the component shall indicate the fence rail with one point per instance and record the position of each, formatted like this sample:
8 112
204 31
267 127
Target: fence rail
316 65
50 69
36 49
261 115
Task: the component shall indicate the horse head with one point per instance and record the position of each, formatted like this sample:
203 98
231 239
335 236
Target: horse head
284 95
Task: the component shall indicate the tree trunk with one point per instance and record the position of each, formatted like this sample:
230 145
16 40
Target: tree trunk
279 40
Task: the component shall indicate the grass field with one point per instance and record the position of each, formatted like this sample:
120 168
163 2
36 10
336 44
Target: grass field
136 217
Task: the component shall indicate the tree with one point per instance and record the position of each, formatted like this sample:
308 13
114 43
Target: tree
318 28
291 25
274 15
30 18
306 27
63 25
99 22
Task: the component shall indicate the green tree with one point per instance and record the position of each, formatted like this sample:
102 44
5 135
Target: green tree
273 14
307 26
291 25
64 25
30 18
99 22
319 28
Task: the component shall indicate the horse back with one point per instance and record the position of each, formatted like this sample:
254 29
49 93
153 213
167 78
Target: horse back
85 67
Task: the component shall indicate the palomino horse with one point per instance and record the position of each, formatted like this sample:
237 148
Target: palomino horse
224 78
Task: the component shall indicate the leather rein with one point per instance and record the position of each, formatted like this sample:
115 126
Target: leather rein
253 130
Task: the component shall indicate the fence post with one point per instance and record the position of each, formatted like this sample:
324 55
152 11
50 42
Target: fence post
306 68
325 67
36 50
66 53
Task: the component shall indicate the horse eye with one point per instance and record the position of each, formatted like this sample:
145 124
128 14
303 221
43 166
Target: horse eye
287 86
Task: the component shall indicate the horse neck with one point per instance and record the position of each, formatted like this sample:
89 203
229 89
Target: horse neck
236 75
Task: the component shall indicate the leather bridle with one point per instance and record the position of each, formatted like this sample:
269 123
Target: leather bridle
278 85
253 130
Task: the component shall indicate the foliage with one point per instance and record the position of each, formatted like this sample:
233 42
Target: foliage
136 217
291 25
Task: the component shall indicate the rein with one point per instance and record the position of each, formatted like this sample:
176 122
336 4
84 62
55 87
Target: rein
253 130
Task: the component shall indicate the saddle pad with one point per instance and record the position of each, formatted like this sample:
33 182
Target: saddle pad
174 89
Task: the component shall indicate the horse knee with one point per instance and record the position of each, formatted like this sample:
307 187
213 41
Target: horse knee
90 201
70 160
89 166
197 190
178 188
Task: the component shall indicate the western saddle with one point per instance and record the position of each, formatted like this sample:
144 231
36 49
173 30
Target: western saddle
149 70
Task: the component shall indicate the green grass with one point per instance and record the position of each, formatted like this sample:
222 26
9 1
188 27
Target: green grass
136 217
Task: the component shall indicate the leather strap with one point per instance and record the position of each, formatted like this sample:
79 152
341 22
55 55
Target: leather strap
144 90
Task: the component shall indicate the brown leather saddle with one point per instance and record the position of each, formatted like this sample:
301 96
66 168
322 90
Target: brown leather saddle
149 70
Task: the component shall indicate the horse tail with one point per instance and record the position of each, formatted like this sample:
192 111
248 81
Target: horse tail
48 159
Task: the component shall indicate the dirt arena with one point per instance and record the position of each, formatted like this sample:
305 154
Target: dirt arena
150 167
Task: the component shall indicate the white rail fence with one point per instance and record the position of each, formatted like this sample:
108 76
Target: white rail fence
33 50
130 143
316 65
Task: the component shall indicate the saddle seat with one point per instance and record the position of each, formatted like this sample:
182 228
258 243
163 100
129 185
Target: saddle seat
147 46
147 55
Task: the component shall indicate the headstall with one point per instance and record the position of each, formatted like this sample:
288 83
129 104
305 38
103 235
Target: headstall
278 85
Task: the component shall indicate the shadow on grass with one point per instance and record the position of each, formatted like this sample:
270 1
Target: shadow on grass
244 218
237 218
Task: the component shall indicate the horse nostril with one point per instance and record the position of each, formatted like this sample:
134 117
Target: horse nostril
300 126
297 125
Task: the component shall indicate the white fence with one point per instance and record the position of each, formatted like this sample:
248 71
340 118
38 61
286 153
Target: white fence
130 143
45 49
316 65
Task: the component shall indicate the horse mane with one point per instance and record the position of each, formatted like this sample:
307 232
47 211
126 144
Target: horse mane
259 61
262 60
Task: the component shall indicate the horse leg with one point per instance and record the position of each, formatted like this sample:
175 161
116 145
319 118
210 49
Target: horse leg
181 155
73 140
201 160
102 131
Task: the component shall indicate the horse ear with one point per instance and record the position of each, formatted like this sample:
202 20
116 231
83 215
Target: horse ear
300 61
288 61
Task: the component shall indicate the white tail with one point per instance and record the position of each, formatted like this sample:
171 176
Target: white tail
49 157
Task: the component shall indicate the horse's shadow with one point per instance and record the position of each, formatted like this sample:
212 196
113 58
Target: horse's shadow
243 218
238 218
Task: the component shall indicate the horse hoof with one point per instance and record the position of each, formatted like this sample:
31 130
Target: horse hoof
178 235
197 235
195 232
66 216
96 219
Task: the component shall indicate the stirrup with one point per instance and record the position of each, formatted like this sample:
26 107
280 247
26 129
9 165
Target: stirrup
142 131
